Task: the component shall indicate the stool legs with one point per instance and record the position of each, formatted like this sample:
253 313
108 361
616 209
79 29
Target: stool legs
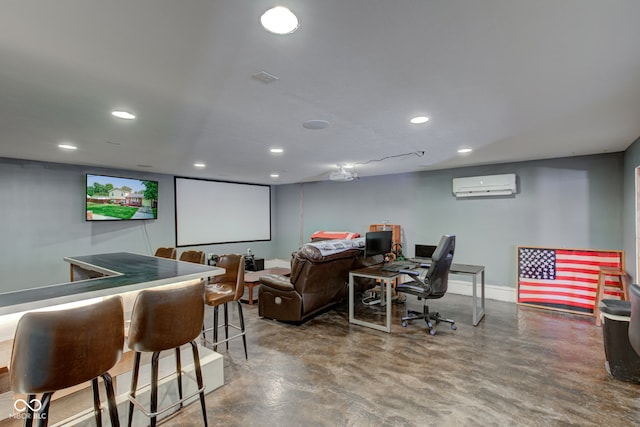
154 388
44 412
200 382
215 328
226 328
244 334
179 375
45 403
111 400
96 401
153 400
134 386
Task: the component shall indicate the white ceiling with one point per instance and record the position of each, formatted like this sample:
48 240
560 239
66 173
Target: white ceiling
514 80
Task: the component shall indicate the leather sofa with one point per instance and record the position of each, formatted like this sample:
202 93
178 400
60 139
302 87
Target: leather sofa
317 282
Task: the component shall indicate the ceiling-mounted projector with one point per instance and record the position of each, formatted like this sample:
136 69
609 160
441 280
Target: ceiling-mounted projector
342 175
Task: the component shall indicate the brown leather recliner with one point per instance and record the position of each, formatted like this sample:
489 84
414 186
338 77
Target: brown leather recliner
317 282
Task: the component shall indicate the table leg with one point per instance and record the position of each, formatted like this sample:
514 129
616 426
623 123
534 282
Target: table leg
389 289
351 298
478 315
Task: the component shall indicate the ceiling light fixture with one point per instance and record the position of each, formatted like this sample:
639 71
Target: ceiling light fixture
199 165
464 150
67 146
121 114
315 124
341 175
276 150
275 175
279 20
418 120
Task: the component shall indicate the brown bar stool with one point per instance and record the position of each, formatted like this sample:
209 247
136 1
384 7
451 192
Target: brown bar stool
169 253
196 257
621 287
221 290
53 350
165 319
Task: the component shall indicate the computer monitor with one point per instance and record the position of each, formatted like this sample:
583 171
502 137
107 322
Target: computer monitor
425 251
378 243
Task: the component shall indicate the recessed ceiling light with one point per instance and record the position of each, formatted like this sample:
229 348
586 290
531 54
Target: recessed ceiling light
464 150
275 175
279 20
123 115
67 146
276 150
199 165
345 165
418 120
315 124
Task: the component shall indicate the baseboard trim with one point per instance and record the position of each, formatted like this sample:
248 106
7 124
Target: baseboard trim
494 292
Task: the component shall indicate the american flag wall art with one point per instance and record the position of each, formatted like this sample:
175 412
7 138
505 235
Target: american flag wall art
564 279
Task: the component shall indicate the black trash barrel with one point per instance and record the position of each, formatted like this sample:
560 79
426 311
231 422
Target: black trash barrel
622 362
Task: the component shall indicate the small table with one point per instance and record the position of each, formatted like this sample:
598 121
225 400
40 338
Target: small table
252 278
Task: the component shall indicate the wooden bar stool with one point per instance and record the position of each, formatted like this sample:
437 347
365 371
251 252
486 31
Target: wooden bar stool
620 287
53 350
166 319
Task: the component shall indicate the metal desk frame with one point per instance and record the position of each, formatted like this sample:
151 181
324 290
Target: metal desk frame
386 279
473 271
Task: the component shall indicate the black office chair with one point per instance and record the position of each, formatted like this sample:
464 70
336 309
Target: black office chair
431 283
634 321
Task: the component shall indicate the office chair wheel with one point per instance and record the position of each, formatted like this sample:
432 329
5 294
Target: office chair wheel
404 323
453 326
432 332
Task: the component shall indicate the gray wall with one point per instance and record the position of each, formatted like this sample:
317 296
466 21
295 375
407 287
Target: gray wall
569 203
631 161
42 220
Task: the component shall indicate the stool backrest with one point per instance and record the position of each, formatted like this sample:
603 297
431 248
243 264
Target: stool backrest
167 318
233 276
166 253
196 257
53 350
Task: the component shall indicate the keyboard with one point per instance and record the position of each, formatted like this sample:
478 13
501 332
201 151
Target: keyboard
396 266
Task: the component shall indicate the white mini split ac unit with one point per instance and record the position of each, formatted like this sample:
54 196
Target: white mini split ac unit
489 185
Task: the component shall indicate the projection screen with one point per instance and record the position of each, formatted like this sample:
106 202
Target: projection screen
209 212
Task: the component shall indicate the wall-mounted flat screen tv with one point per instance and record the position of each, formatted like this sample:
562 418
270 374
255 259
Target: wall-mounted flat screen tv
113 198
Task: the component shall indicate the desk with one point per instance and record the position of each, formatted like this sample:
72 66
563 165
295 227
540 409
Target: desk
473 271
386 279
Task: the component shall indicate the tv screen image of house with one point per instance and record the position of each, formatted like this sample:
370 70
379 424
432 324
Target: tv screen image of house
112 198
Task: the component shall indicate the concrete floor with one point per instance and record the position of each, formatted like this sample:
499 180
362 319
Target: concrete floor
520 367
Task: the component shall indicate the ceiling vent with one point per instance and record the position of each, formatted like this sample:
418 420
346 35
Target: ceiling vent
265 77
